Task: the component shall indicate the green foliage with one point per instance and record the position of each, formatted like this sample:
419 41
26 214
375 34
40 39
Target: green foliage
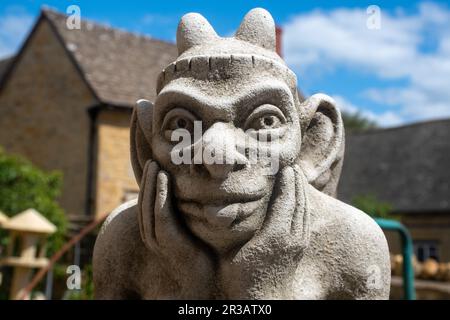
373 207
24 186
357 122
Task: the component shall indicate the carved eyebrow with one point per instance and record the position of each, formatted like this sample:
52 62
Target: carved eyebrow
194 98
264 90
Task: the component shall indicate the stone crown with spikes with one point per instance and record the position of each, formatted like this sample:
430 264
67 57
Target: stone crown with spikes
205 55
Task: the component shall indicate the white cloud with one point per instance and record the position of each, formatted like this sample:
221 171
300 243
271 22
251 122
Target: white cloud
14 25
320 40
156 19
384 119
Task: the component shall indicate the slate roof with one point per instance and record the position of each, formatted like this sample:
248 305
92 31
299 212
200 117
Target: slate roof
4 64
120 66
408 166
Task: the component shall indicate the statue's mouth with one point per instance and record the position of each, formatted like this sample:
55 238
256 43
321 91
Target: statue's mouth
213 194
219 215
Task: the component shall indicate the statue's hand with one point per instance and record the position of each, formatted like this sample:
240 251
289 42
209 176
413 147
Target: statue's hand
264 268
184 259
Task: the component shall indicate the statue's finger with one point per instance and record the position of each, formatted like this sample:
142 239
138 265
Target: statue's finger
282 206
168 230
300 221
146 204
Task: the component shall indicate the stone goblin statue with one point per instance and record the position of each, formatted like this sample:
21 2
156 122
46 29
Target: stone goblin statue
228 229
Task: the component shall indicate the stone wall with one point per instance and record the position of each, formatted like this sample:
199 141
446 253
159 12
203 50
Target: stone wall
115 181
43 114
426 227
433 227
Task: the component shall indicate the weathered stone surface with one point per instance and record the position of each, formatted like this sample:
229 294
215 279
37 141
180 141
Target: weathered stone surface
234 228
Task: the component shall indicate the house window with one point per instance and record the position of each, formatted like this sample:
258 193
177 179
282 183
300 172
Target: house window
425 249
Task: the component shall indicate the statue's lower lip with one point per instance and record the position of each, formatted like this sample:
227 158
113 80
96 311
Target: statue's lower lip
218 215
223 200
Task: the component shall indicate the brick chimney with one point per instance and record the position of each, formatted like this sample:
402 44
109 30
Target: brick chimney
279 34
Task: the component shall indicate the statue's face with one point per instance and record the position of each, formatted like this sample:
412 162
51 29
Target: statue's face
222 188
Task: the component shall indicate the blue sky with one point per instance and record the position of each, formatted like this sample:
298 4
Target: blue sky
395 74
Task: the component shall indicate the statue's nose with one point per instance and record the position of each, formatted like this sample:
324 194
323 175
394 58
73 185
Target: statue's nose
220 152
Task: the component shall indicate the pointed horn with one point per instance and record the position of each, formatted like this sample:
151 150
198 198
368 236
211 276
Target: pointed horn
258 28
193 30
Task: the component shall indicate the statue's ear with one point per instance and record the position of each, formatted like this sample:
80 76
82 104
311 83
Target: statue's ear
140 136
322 148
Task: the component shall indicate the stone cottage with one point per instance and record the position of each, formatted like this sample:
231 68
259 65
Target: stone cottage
65 103
409 168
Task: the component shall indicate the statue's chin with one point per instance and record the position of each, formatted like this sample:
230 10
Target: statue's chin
224 226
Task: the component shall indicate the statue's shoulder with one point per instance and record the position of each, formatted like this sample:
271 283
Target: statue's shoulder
346 222
118 239
120 222
117 247
357 245
122 214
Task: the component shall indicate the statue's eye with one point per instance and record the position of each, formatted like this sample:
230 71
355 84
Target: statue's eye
265 117
266 122
180 123
178 119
